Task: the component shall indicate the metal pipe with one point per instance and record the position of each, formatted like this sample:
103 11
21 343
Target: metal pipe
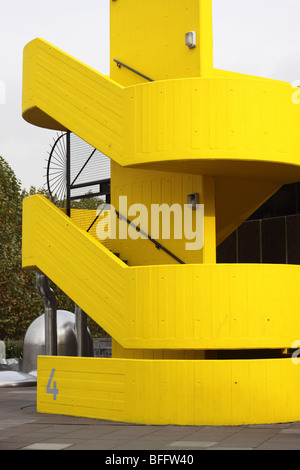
48 295
81 332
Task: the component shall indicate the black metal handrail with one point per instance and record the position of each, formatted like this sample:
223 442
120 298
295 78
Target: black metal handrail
104 189
90 183
97 216
156 243
121 64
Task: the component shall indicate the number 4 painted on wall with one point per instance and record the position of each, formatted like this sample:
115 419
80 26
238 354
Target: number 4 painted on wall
52 390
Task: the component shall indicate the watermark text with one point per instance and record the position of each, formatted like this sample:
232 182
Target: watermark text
165 222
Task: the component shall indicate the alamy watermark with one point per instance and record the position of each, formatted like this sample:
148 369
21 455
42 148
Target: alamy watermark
2 92
296 353
166 222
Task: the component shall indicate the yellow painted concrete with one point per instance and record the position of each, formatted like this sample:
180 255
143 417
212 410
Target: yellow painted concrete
153 187
179 392
85 219
231 137
166 306
211 126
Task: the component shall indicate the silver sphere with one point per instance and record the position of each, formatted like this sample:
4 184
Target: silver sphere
34 341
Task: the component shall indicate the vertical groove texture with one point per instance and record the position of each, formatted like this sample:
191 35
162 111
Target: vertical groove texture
186 392
190 306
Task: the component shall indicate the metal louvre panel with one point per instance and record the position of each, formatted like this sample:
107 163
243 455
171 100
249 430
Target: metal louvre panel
88 165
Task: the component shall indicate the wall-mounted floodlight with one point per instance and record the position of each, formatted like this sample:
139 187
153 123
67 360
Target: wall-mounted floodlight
190 39
193 200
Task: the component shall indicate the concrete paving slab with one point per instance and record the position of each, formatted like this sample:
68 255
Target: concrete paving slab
22 428
192 444
290 431
46 446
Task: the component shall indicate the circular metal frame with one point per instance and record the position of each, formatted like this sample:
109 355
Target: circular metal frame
56 171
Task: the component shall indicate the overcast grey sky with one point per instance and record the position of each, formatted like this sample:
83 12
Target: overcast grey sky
259 37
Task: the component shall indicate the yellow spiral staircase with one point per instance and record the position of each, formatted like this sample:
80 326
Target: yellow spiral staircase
194 343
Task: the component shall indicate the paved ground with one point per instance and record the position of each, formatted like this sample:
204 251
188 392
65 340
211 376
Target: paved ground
22 428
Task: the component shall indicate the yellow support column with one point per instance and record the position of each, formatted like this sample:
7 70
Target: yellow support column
209 201
205 43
